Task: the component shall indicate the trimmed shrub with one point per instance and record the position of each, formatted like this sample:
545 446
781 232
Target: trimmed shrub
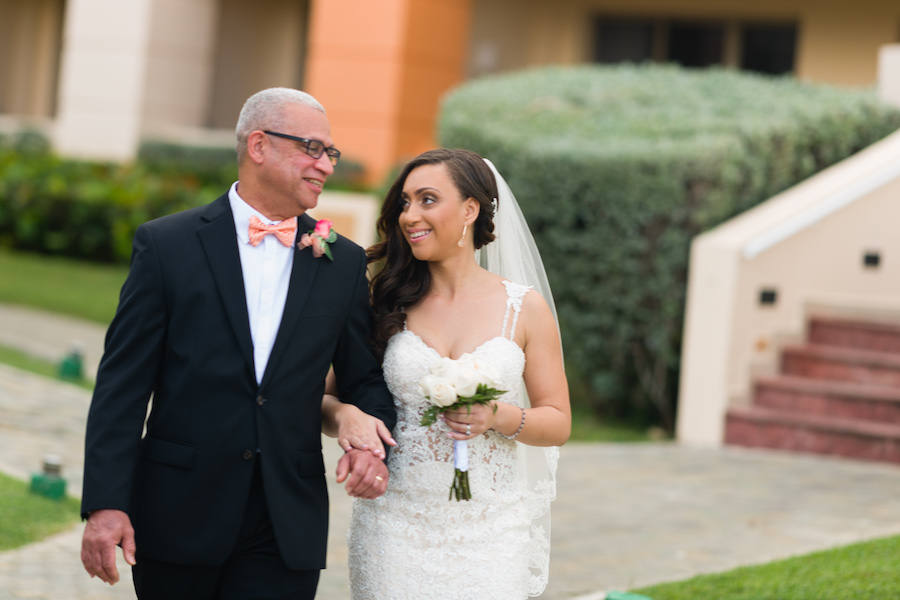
209 163
90 210
86 209
216 163
618 168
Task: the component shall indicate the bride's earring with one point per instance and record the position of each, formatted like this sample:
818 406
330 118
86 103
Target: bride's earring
462 240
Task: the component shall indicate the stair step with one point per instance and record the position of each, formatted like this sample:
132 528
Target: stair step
842 364
836 399
760 427
864 335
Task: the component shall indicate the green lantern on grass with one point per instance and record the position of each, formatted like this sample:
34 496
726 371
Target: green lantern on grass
49 483
72 366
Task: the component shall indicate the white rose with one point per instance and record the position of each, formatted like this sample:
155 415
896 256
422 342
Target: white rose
467 379
488 375
479 371
445 368
438 389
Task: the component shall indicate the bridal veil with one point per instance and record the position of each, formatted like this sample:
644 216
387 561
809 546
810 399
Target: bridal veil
514 256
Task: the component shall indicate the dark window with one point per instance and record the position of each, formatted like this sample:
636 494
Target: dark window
696 44
768 48
623 40
768 297
871 260
762 47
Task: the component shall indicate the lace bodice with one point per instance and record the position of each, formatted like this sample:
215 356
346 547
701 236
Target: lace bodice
414 542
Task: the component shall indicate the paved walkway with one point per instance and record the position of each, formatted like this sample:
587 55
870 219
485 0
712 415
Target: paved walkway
626 516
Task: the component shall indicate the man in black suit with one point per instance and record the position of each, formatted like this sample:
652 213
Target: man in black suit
232 331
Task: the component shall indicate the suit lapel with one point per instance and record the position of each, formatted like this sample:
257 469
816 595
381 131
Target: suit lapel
220 245
303 272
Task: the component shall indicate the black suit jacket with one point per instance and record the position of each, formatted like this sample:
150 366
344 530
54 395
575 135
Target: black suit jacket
182 334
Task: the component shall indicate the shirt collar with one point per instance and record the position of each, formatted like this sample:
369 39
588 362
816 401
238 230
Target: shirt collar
241 211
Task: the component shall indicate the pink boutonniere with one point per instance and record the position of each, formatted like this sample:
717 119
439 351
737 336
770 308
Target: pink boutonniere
319 238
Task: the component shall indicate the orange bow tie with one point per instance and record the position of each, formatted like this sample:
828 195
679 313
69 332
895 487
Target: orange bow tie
284 231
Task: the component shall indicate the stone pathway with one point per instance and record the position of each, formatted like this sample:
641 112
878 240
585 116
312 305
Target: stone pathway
627 515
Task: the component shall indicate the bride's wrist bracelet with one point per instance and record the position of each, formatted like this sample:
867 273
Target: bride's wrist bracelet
519 430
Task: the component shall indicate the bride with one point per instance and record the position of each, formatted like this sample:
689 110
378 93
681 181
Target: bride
441 221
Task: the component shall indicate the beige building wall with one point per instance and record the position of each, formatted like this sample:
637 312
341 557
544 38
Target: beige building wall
259 44
837 42
807 245
889 74
179 65
103 76
170 68
353 215
30 32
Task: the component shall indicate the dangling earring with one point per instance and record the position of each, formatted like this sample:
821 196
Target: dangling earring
462 240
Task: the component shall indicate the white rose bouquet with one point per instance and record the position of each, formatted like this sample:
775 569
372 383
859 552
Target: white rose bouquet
454 384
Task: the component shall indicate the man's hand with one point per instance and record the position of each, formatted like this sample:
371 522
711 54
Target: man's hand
366 474
105 530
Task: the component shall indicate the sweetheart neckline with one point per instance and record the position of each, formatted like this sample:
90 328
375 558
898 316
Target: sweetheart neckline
477 348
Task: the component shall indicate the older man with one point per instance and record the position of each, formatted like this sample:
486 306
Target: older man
232 328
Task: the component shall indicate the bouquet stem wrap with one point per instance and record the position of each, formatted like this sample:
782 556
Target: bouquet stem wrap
460 488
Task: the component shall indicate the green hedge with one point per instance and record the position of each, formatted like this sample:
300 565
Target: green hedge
220 164
90 210
618 168
86 209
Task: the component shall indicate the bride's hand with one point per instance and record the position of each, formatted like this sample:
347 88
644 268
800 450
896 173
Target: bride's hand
465 425
357 429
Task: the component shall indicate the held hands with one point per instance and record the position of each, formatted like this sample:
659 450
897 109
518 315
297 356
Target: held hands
105 530
362 466
360 430
366 475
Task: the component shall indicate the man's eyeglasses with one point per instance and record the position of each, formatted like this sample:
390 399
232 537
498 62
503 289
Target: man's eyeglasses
314 148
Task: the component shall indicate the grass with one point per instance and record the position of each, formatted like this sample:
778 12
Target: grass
863 571
26 517
26 362
588 427
72 287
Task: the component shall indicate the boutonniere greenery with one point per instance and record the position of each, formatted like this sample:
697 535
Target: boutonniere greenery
319 238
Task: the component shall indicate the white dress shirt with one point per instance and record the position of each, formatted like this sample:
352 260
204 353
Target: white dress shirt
267 273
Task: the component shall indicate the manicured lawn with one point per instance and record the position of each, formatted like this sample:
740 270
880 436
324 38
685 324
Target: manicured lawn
864 571
77 288
26 362
27 517
588 427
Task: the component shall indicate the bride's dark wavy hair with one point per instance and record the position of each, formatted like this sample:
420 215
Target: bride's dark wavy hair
402 280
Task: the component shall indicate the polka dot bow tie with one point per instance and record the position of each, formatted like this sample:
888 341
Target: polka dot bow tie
284 231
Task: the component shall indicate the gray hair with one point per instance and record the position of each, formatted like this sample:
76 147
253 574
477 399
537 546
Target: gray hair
263 110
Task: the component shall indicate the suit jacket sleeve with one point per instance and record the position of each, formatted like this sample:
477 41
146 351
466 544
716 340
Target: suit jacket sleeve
358 371
125 380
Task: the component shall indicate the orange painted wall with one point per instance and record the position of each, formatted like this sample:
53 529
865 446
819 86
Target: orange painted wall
380 69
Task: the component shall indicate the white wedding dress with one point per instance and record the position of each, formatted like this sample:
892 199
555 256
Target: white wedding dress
413 543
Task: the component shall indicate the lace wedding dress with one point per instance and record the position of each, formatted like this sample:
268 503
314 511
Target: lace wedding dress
413 542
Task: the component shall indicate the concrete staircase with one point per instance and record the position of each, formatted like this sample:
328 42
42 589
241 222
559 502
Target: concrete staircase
838 394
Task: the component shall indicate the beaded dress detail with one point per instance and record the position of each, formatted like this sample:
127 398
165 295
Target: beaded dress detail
413 543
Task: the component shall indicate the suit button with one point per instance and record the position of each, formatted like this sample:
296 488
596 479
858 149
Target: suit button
260 400
247 455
